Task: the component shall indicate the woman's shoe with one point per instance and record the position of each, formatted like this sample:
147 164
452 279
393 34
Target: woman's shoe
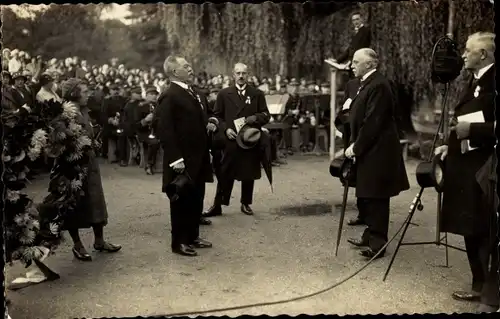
107 247
81 255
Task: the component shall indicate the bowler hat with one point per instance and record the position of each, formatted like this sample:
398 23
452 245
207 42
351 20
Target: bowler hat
341 120
178 186
248 137
344 169
151 90
430 174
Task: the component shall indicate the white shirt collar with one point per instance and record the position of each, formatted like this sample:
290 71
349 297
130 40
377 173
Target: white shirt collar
482 71
241 88
181 84
368 74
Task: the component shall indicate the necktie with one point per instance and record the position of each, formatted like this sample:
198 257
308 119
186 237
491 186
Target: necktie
474 82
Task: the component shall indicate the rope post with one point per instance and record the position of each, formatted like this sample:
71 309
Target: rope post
333 110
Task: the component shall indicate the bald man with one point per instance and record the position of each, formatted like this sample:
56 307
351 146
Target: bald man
374 144
467 149
239 101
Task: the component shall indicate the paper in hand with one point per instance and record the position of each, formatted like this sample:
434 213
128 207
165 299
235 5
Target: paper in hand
239 123
347 104
475 117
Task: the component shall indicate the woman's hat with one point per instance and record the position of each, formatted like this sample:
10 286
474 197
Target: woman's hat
431 174
17 75
45 79
248 137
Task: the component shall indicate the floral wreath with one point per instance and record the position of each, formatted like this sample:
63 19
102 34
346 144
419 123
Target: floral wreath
53 129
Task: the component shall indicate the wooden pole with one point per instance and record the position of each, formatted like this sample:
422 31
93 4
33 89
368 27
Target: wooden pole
333 110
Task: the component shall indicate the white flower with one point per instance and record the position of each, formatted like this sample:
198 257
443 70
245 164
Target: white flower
31 253
54 228
12 196
83 141
74 156
28 237
76 184
75 128
60 136
19 220
70 110
476 91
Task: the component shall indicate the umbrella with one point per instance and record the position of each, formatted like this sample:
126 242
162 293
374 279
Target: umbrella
266 157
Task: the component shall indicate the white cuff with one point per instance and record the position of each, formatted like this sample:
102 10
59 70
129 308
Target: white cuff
180 160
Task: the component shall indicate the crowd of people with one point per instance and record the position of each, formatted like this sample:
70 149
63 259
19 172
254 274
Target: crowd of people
113 85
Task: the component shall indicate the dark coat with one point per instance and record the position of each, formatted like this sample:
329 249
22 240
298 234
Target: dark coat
237 163
362 39
462 197
141 111
110 106
128 118
182 130
350 92
381 171
92 209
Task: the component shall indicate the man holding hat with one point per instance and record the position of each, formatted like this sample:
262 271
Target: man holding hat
144 128
236 105
111 110
468 148
127 124
183 128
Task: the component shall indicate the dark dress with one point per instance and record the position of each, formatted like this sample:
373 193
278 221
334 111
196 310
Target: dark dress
92 209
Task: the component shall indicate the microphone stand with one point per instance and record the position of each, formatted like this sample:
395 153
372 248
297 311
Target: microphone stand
417 203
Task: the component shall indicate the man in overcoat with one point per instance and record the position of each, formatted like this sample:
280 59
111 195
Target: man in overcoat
183 129
469 145
350 93
235 102
380 168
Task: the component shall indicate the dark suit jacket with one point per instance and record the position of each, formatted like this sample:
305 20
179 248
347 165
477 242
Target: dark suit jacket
128 118
379 158
238 163
462 199
350 91
360 40
182 131
110 106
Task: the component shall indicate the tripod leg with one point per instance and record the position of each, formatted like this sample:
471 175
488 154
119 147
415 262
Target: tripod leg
446 248
407 224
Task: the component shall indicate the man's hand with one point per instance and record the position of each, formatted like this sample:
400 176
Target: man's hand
211 127
441 150
231 134
251 119
462 129
179 167
349 152
148 118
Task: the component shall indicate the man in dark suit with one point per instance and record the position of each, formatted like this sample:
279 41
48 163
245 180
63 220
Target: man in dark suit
144 124
380 168
112 106
238 101
361 38
183 128
350 93
468 148
128 120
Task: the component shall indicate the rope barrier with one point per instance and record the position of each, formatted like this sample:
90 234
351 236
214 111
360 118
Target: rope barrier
270 303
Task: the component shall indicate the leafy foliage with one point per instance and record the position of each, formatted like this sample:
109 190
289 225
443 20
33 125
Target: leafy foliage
54 129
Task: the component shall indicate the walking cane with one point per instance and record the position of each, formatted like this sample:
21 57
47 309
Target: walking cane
347 166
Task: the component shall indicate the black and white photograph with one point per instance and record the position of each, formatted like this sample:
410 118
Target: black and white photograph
257 158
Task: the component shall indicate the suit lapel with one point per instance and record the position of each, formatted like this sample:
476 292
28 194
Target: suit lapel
363 84
486 80
235 97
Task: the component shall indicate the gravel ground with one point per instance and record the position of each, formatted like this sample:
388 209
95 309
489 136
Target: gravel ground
285 250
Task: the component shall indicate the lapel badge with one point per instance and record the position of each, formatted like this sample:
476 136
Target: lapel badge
248 100
476 92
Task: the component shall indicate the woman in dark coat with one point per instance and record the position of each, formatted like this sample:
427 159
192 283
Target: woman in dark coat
92 211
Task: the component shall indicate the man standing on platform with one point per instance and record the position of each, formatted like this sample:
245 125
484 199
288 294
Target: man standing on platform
469 147
380 168
235 102
361 38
